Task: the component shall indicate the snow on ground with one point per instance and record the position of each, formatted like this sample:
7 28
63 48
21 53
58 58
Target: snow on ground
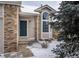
2 56
37 51
11 55
40 52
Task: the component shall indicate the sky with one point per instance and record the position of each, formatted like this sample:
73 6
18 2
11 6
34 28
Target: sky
30 6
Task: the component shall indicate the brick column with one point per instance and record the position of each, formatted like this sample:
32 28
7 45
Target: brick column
10 28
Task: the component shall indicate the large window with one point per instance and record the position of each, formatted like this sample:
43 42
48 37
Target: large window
23 28
45 26
45 22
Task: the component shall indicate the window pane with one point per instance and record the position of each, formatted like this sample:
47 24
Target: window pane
23 28
45 15
45 26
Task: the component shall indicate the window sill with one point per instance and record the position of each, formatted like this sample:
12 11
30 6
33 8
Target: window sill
23 37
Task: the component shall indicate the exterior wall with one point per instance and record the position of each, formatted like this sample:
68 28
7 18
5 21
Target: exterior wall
37 27
45 35
1 10
10 28
35 20
1 29
1 36
30 29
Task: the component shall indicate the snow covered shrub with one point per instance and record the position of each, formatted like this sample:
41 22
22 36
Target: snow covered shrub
68 18
30 43
26 52
69 49
44 44
48 40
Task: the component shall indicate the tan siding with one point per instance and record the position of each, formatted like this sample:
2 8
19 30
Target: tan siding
35 20
39 27
30 29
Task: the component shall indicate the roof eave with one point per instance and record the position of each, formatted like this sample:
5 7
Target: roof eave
18 3
40 8
27 14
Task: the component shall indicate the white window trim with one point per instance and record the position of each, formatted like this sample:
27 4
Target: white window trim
44 20
42 24
49 32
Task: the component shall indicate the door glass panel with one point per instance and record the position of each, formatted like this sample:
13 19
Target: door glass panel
23 28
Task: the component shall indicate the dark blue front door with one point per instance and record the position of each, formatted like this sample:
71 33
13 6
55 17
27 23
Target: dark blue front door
23 28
